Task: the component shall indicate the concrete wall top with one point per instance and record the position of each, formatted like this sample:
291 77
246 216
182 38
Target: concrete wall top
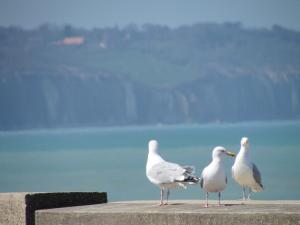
19 208
177 213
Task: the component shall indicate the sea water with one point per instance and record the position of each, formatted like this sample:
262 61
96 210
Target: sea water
114 159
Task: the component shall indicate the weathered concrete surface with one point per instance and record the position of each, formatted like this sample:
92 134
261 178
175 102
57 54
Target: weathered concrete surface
177 213
19 208
12 209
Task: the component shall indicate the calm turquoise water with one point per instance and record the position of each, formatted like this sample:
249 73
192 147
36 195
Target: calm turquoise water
113 159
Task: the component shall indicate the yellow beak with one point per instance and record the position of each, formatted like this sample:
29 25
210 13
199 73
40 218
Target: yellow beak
232 154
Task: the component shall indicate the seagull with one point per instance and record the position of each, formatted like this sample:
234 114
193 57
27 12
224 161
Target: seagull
165 174
244 172
213 178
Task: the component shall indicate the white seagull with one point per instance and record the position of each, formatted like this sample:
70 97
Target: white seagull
213 178
244 172
167 175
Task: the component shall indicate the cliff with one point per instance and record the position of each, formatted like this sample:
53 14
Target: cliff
64 77
64 101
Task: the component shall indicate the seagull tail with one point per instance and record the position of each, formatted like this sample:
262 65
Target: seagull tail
191 179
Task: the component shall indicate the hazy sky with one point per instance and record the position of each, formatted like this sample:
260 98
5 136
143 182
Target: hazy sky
100 13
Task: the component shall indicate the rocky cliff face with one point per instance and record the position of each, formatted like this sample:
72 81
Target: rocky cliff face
242 98
57 100
33 100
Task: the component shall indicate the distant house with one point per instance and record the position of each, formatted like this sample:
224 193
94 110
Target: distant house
73 41
76 40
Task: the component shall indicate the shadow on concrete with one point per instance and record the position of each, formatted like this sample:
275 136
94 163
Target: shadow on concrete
38 201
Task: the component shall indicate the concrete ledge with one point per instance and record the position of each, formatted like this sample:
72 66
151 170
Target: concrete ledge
177 213
19 208
12 209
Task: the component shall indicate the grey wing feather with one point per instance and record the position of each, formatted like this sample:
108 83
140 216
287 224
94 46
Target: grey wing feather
256 175
189 169
166 172
201 182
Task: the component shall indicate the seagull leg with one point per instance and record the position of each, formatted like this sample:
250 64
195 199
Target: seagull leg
206 205
168 193
244 193
249 194
219 196
161 197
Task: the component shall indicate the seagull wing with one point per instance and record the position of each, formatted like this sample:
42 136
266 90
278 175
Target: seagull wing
202 177
201 182
166 172
189 169
256 175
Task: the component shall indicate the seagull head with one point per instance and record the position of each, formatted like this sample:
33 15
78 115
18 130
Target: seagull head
219 152
245 142
153 146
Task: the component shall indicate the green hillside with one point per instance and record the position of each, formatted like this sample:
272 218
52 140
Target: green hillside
155 55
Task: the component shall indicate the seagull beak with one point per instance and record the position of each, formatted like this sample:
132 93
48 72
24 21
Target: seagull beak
232 154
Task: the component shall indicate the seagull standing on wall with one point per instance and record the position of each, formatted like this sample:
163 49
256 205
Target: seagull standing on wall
213 178
244 172
167 175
